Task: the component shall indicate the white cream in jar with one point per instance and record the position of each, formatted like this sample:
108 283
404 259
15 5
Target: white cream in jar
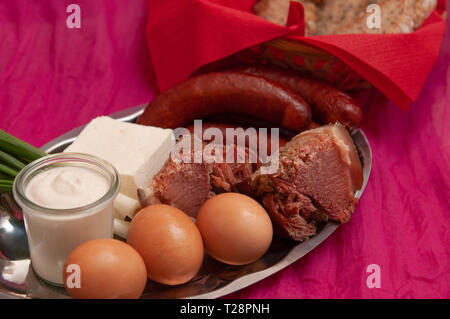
67 187
66 199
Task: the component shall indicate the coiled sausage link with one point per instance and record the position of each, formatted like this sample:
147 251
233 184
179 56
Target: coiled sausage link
228 92
328 104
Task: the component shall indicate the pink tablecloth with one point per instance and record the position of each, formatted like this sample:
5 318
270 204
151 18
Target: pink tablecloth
53 79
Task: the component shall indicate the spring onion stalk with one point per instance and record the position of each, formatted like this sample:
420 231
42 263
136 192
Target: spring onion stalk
5 186
15 154
6 177
18 148
8 170
10 161
5 189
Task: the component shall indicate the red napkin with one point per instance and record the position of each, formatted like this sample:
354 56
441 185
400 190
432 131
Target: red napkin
184 35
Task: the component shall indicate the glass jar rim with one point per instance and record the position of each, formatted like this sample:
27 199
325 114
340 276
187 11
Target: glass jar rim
69 157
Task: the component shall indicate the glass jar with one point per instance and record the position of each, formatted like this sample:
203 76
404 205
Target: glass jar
54 233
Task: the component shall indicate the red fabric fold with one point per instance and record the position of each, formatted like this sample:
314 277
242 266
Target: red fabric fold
184 35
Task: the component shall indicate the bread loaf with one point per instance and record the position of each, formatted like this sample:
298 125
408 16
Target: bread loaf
350 16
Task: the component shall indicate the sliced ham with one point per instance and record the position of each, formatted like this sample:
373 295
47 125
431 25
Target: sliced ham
318 176
188 185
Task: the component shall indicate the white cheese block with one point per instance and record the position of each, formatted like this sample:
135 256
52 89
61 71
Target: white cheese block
137 151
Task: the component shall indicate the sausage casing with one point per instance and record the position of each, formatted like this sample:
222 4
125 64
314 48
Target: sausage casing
228 92
328 104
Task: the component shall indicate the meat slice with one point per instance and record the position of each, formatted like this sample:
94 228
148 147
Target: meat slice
287 222
187 186
316 181
318 174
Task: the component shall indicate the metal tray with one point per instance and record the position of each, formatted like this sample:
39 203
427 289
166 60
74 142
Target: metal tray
17 279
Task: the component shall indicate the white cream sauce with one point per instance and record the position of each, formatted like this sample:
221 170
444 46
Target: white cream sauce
67 187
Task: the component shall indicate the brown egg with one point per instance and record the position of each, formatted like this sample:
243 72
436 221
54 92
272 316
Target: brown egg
235 228
169 242
108 268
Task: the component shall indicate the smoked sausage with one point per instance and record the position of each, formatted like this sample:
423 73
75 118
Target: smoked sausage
328 104
228 92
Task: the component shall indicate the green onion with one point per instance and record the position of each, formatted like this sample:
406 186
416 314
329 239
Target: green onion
18 148
8 170
5 186
6 177
11 161
14 155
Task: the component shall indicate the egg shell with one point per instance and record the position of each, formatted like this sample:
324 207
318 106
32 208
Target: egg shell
169 242
109 269
235 228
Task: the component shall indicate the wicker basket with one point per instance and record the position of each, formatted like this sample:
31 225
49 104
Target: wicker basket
306 59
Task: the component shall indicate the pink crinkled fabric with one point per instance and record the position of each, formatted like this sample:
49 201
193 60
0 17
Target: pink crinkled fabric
53 79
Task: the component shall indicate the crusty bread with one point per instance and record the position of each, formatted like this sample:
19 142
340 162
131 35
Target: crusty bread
310 18
405 24
396 17
422 11
335 14
277 12
350 16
